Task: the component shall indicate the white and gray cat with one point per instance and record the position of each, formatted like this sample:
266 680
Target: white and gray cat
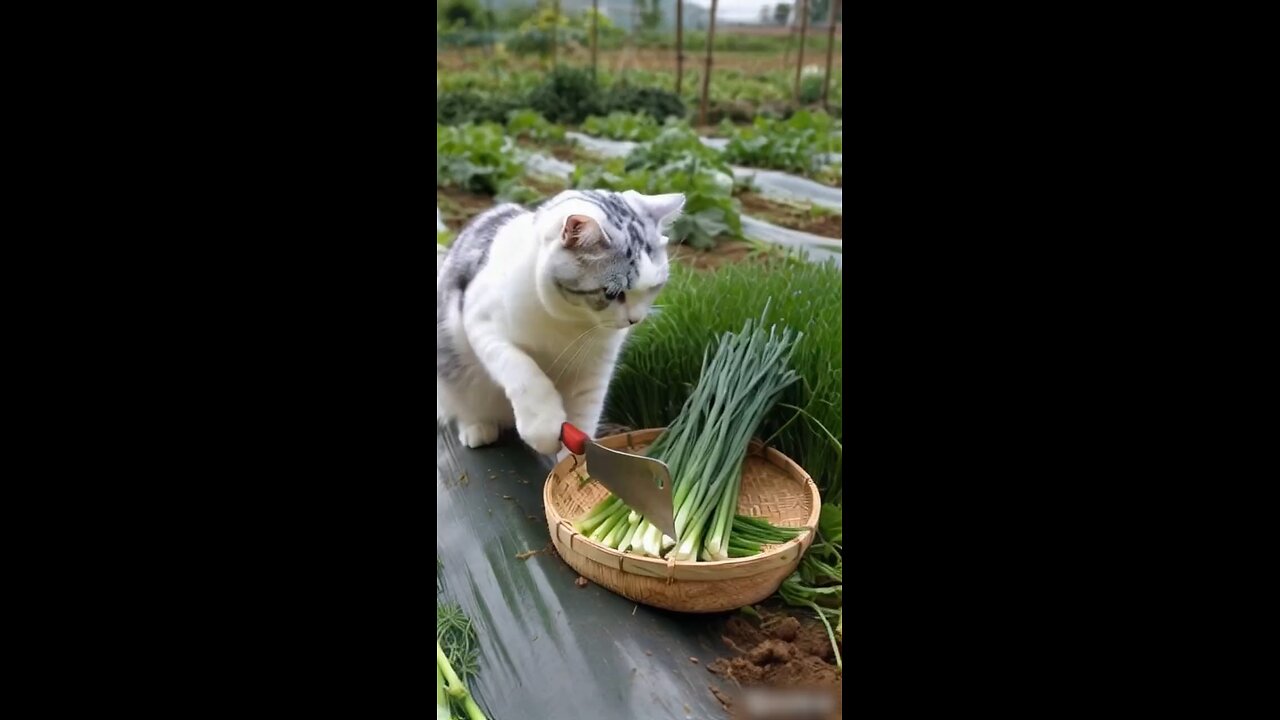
532 308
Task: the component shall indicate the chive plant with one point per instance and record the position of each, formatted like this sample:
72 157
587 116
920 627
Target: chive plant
704 448
659 365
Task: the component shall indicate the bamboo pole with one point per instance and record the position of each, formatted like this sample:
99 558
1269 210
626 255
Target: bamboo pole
706 74
804 28
679 44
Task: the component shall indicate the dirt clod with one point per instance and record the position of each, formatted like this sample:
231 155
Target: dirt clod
580 582
783 653
787 629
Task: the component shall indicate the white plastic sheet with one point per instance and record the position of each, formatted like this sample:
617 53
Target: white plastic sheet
550 166
815 247
602 146
770 182
783 185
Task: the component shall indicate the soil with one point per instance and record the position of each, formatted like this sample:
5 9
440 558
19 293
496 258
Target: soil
459 206
799 216
781 653
726 251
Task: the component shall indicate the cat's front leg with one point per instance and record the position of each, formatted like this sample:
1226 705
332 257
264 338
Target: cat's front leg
584 405
536 403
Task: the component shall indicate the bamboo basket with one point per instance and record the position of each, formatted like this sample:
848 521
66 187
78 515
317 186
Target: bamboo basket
773 487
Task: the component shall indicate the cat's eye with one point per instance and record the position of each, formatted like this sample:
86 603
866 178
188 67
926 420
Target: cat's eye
619 296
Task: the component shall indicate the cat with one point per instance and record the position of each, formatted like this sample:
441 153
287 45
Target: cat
532 308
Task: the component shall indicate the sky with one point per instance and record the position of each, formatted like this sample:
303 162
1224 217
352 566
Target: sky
737 9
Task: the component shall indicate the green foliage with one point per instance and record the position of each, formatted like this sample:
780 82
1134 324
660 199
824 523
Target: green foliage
810 87
818 583
661 362
567 96
457 638
622 126
469 106
519 193
529 124
539 31
460 13
652 101
831 524
676 161
476 158
796 144
676 142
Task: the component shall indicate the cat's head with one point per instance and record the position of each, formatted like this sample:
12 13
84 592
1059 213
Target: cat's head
604 254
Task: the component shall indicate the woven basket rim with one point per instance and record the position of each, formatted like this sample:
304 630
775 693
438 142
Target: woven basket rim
663 566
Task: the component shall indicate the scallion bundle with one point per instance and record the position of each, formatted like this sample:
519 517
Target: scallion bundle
704 448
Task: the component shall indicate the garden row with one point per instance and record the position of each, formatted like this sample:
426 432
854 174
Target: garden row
477 162
571 95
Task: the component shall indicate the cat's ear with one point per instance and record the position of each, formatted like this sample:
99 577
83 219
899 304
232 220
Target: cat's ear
580 230
664 209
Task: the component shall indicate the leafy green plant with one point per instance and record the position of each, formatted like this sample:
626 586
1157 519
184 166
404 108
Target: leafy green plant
529 124
476 158
652 101
622 126
676 142
455 107
796 144
662 361
567 96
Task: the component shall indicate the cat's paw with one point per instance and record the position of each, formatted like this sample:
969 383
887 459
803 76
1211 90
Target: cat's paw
538 420
478 434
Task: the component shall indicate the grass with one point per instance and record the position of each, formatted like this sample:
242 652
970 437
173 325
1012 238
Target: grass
660 364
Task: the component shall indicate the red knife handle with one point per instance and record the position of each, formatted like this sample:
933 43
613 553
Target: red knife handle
574 439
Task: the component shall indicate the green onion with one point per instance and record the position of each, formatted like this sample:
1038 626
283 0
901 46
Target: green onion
456 659
449 685
704 447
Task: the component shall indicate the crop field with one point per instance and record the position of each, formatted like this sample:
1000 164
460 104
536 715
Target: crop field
523 136
745 342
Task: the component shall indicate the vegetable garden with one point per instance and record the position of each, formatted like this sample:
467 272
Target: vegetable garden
746 343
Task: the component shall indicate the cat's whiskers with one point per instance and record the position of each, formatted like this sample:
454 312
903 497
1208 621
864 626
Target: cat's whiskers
579 354
568 346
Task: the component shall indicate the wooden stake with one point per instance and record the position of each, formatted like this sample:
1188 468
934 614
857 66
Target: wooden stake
706 74
804 28
679 44
831 46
